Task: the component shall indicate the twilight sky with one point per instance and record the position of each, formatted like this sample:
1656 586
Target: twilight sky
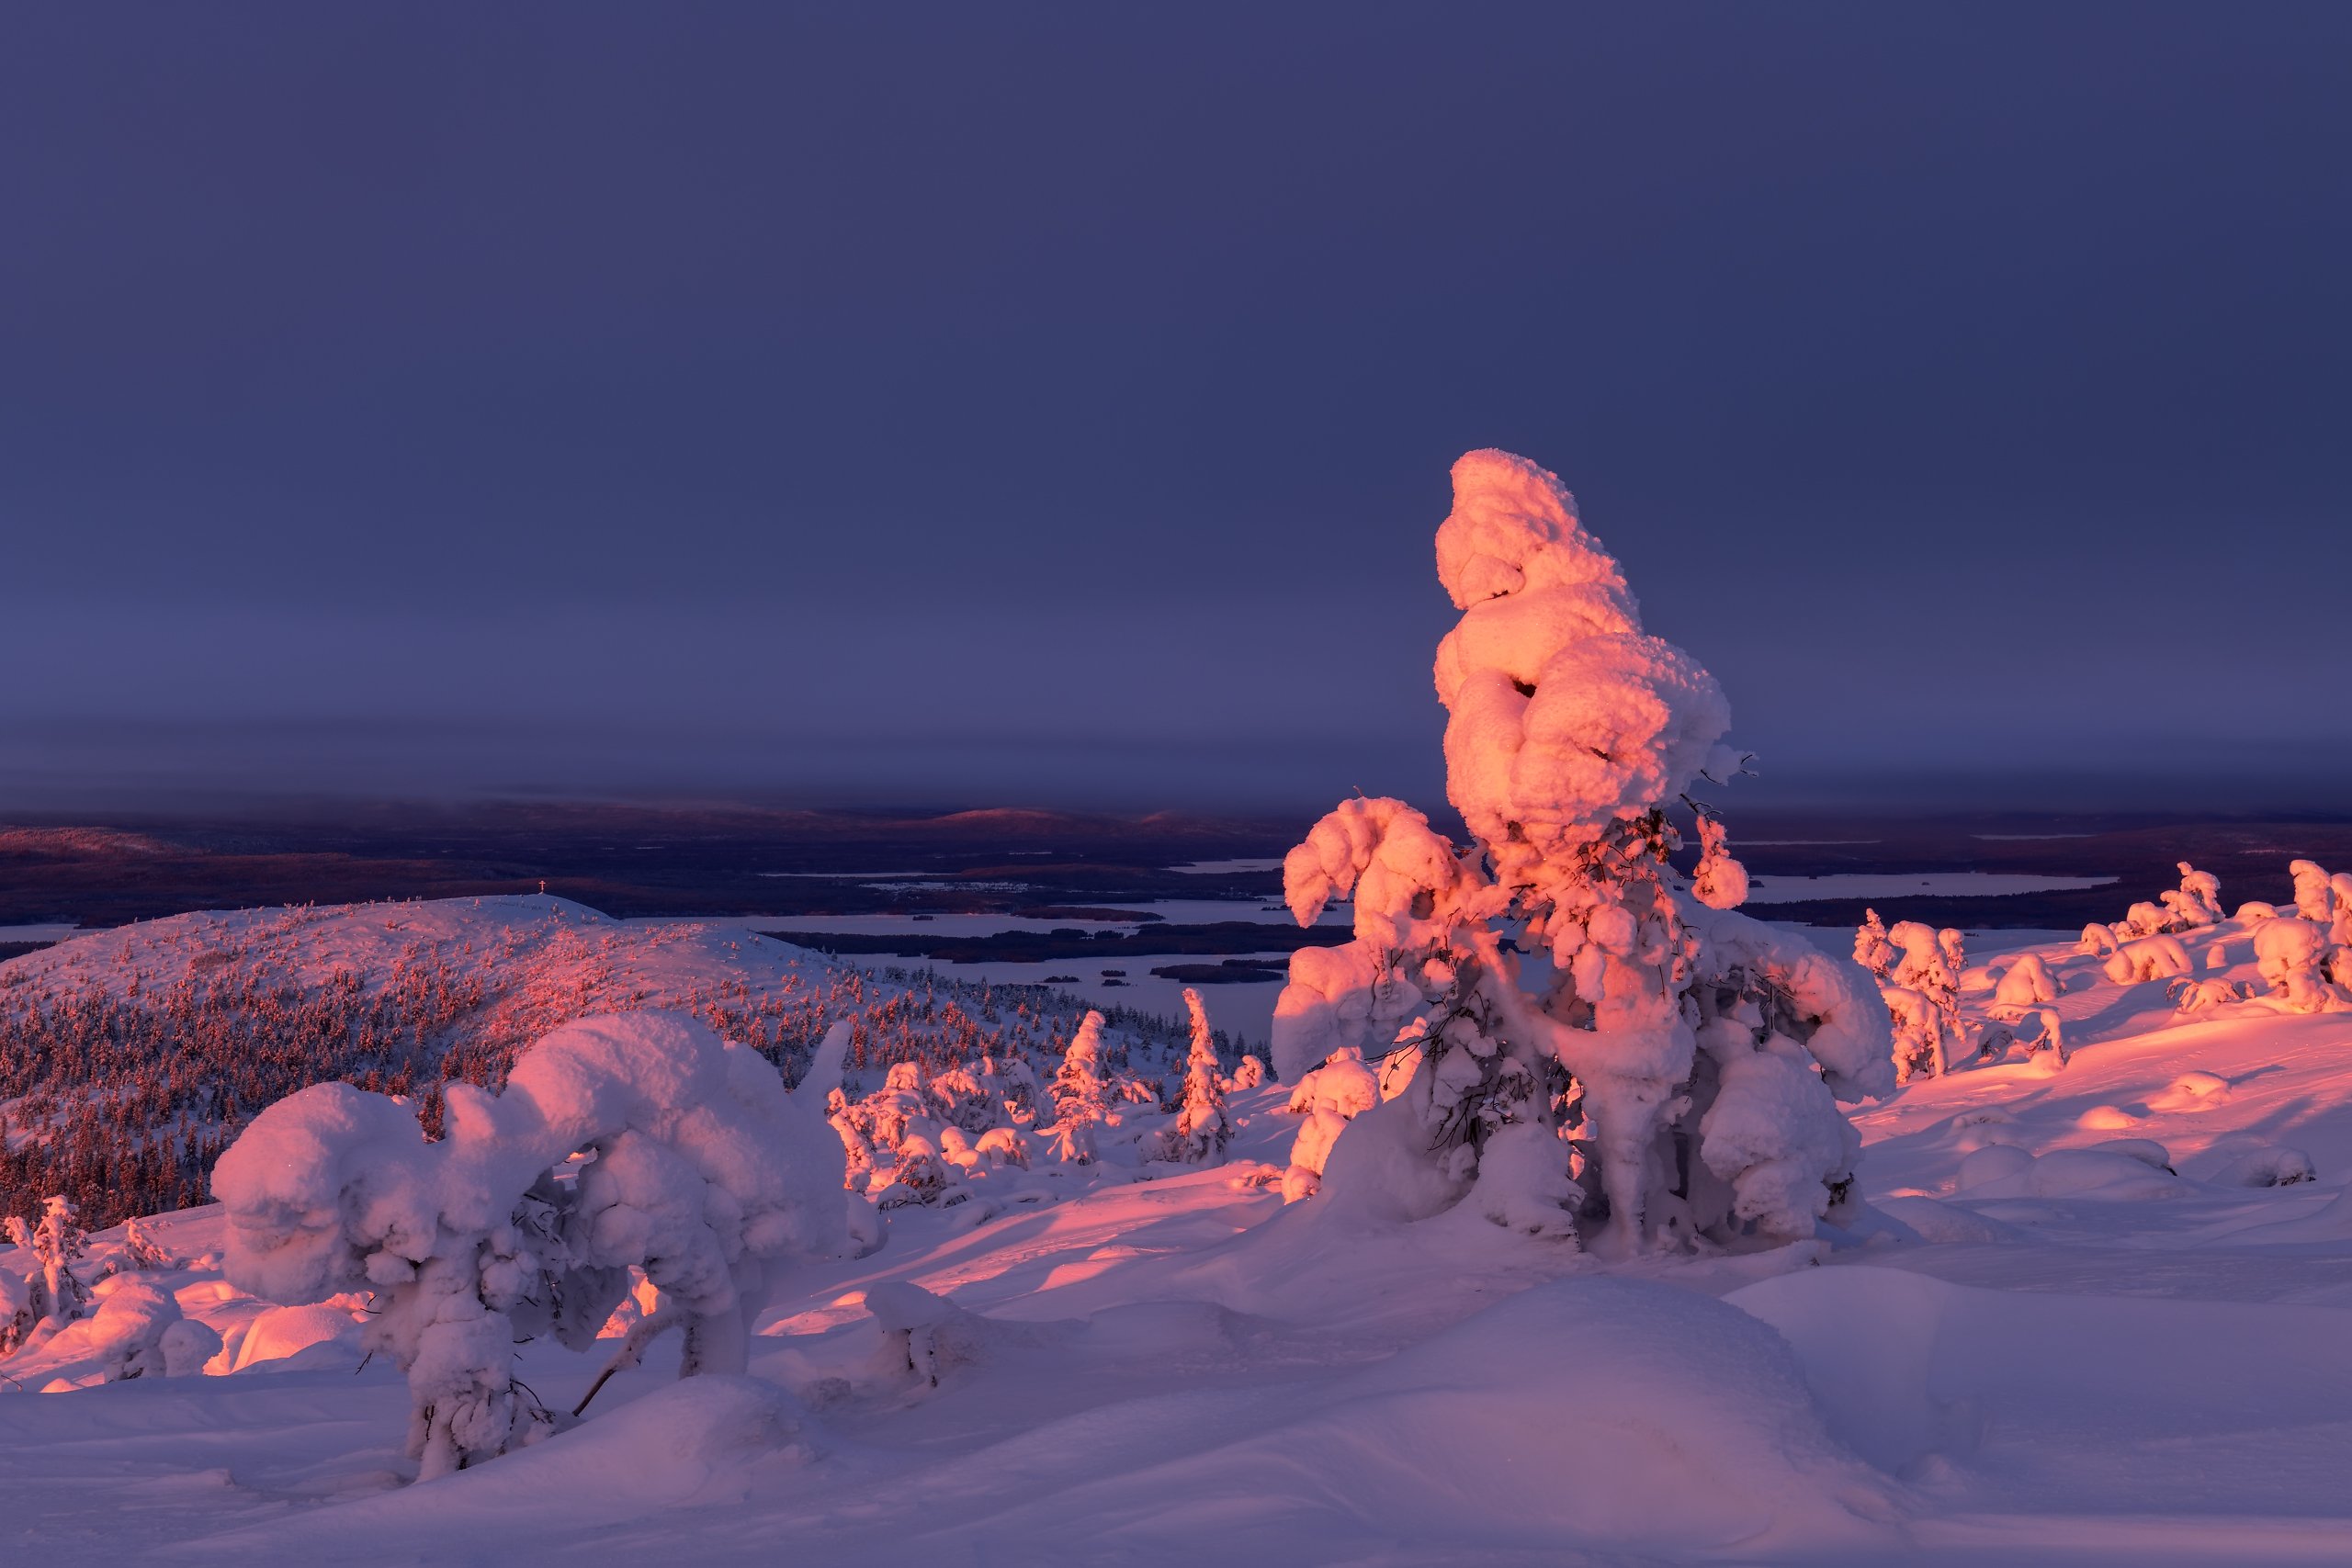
977 403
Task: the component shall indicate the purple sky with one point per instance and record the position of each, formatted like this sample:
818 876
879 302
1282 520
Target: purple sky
1054 403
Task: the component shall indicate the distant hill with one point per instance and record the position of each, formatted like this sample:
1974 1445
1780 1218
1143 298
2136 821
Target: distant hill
130 1058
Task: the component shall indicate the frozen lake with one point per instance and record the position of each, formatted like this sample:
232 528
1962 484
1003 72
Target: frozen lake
1248 1007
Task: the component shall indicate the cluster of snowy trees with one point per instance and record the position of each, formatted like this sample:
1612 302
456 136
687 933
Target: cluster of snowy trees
2194 904
640 1165
129 1325
1918 969
1578 1042
927 1138
2302 954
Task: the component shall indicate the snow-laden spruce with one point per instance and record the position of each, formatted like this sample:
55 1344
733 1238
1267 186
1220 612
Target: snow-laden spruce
55 1295
1202 1126
1082 1099
695 1168
1673 1071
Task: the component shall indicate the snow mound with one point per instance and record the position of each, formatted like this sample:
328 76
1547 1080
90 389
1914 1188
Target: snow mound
2120 1171
1587 1414
2274 1166
703 1439
1905 1365
275 1336
2193 1091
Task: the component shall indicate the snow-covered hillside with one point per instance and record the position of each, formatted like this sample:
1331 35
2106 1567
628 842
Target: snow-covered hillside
129 1058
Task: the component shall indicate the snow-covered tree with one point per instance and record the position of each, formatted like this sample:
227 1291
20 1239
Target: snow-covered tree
1327 1098
57 1243
1872 950
1923 994
2315 894
697 1170
2292 956
1953 944
2147 958
20 1313
1249 1075
2025 983
1082 1101
144 1251
1202 1128
1691 1057
2197 902
921 1174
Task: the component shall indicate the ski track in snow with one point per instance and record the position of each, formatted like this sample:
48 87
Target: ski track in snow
2124 1366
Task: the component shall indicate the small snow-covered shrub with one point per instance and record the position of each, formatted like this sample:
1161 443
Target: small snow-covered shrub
18 1313
1003 1147
696 1168
2026 983
922 1175
2148 958
2197 902
2048 1039
143 1250
2096 938
1328 1098
56 1294
1249 1075
2291 954
2200 995
1570 732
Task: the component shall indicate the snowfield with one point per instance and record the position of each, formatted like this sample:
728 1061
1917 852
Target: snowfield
2051 1350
